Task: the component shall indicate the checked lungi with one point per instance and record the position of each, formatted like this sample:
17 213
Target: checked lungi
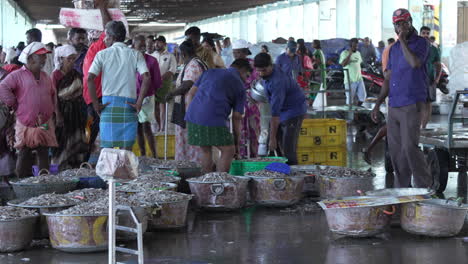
119 122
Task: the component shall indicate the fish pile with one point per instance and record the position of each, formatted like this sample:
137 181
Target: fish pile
147 161
343 172
78 173
46 179
141 186
152 197
50 199
87 195
177 164
100 206
12 213
216 177
159 176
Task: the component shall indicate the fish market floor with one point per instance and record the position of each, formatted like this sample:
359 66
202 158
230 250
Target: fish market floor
269 236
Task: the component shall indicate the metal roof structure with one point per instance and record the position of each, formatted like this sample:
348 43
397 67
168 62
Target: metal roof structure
181 11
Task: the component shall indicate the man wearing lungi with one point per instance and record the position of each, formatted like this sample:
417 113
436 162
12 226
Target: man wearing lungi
120 104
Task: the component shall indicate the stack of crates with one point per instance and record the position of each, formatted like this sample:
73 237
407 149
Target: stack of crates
322 142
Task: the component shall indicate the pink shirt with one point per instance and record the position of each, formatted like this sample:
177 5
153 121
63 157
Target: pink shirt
30 98
153 68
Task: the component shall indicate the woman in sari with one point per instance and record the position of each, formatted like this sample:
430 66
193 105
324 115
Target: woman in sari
192 71
71 119
251 122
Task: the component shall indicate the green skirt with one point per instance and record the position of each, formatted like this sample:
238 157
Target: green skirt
208 136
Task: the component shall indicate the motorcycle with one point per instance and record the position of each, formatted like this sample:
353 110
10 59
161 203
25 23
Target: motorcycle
373 79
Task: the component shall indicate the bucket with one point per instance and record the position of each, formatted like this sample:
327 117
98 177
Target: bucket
359 221
333 187
78 233
276 191
170 215
435 218
41 228
29 190
220 196
16 234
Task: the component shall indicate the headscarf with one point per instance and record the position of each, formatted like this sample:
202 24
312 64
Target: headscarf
63 52
33 48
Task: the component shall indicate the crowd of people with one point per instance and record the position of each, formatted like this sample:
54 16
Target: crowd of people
57 100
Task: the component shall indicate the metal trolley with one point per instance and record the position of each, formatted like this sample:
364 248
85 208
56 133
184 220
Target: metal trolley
450 145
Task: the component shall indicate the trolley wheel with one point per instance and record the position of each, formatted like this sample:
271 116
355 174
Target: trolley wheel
433 163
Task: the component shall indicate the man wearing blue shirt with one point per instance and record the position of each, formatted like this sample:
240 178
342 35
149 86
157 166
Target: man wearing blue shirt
216 94
289 62
407 87
288 106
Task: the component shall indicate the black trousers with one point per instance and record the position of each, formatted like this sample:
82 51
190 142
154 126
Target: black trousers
288 134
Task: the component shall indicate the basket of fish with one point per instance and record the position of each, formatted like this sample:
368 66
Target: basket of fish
45 203
219 191
86 176
185 169
167 209
16 228
275 188
341 182
45 183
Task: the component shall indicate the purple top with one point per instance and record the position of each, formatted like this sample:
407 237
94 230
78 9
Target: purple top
408 85
156 81
286 98
219 92
289 65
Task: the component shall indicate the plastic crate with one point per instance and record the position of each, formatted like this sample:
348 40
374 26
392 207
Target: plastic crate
323 133
170 146
241 167
159 146
332 156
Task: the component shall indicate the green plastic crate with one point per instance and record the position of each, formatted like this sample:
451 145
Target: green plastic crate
239 168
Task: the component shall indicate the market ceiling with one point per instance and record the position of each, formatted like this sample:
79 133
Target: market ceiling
181 11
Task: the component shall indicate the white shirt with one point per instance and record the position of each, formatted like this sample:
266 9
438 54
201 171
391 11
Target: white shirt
167 61
119 65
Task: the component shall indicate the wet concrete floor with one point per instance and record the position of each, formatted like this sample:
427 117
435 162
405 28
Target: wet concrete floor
270 235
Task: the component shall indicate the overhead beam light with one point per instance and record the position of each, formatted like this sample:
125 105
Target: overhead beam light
50 26
156 24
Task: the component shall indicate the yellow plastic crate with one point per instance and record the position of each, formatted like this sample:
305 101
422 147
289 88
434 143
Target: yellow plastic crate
170 146
159 147
322 133
332 156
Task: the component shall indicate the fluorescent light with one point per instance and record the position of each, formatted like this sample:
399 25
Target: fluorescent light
134 19
50 26
156 24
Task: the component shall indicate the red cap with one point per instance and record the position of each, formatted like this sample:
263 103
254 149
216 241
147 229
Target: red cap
401 14
42 51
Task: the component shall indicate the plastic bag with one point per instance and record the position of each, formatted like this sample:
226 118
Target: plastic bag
116 163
